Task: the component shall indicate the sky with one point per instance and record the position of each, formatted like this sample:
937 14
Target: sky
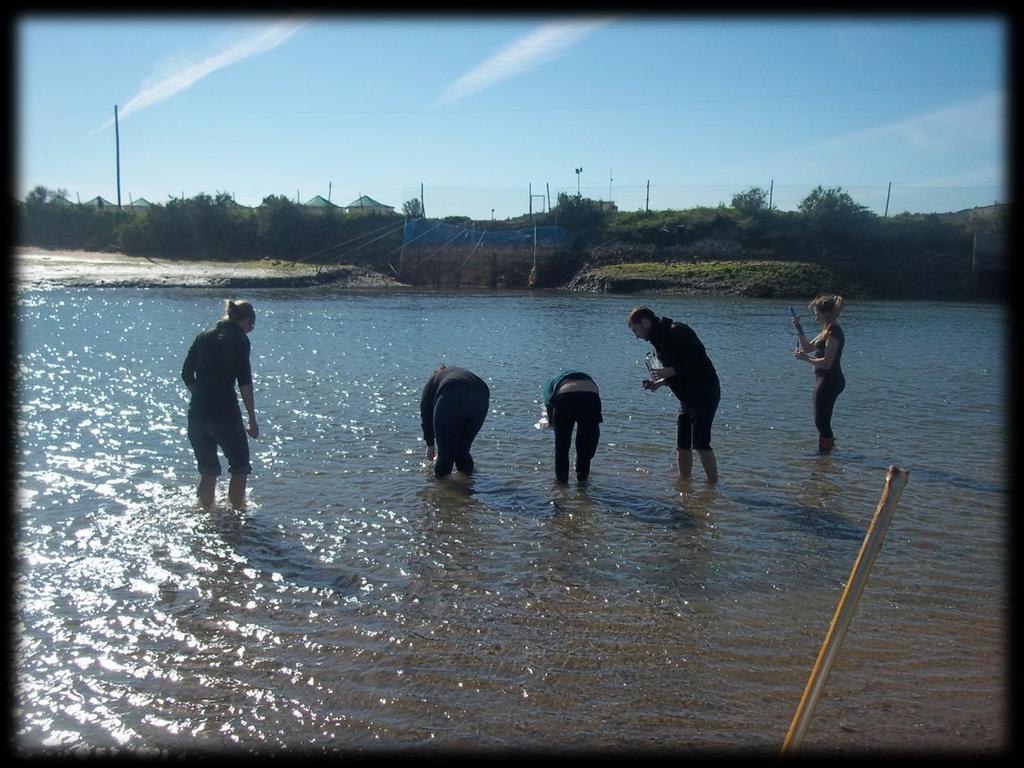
489 116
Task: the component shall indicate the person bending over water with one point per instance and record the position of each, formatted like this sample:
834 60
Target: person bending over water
453 407
690 374
827 349
218 357
572 399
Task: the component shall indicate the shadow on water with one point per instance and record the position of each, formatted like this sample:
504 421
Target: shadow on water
639 503
250 535
819 521
964 483
816 507
510 496
922 474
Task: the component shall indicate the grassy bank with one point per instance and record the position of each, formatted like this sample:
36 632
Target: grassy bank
764 279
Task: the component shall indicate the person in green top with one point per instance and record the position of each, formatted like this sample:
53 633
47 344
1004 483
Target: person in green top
572 399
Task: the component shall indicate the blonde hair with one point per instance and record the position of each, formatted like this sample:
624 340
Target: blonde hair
828 306
239 309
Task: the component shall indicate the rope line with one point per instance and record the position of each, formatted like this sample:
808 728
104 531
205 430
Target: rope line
403 245
482 236
352 240
369 242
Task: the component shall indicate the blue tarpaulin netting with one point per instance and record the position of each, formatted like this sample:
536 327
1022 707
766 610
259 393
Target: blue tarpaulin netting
422 232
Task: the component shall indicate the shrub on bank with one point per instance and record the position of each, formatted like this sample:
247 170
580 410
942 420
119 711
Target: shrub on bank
762 279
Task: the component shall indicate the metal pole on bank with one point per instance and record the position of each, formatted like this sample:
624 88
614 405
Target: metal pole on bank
895 480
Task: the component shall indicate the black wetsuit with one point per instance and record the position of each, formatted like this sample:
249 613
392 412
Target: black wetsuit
452 409
217 359
566 409
828 384
695 382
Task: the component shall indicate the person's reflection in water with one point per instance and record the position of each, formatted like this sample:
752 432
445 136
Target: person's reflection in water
821 488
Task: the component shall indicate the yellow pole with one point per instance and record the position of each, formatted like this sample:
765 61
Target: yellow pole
895 480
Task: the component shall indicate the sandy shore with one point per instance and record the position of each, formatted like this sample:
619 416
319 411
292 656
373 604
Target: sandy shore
39 267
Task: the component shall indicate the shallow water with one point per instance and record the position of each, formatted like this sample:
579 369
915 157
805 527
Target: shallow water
361 604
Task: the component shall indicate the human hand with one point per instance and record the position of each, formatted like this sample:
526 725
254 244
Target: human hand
430 453
795 322
253 429
649 385
658 375
799 354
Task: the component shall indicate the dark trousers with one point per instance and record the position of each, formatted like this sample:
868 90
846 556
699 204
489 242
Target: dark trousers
205 435
582 410
693 424
826 390
459 412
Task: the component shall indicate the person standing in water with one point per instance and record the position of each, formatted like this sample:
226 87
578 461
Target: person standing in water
219 357
827 349
453 407
690 374
572 399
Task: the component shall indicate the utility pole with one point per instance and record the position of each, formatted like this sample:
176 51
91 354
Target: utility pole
647 205
423 207
578 172
609 185
771 189
329 185
117 145
530 192
548 187
887 194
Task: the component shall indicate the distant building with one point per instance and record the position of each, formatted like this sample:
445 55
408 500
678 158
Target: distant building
99 202
367 205
59 201
141 202
320 203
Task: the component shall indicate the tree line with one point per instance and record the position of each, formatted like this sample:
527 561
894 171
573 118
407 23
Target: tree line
908 255
209 228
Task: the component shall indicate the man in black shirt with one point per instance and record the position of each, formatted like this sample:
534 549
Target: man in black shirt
691 376
218 358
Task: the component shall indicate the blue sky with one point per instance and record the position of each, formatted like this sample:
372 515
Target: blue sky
478 109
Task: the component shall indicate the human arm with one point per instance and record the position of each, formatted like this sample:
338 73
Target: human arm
660 375
250 408
243 374
680 352
427 415
188 368
825 361
802 339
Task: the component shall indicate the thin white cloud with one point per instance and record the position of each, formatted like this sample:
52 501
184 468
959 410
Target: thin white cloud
187 75
984 176
912 147
525 54
980 118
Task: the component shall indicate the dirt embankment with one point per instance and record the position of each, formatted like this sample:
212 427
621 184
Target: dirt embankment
37 266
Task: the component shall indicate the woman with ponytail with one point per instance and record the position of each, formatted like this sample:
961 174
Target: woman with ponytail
827 349
217 359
